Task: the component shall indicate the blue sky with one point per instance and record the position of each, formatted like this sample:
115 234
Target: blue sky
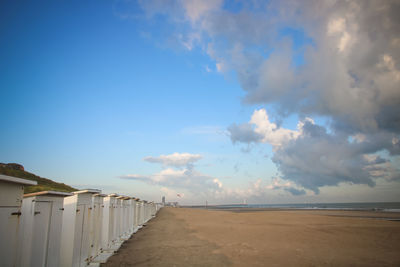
90 89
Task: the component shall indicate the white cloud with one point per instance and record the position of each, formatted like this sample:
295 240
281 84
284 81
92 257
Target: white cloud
188 179
350 76
190 182
175 159
196 9
272 134
243 133
184 176
311 157
261 130
337 25
350 73
276 184
337 28
217 182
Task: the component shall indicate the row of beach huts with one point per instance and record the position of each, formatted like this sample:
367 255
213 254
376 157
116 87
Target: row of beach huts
50 228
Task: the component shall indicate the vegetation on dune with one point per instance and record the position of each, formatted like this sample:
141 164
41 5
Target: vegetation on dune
44 184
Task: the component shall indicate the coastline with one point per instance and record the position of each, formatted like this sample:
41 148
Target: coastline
350 206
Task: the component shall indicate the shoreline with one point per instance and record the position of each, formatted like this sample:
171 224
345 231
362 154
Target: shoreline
351 206
361 213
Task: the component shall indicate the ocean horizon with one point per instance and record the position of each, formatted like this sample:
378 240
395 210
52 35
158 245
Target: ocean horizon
362 206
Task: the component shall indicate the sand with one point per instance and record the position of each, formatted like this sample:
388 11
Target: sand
195 237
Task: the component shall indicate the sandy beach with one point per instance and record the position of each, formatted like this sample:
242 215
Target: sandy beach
197 237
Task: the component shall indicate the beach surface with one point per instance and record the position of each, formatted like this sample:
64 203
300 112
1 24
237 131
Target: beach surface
198 237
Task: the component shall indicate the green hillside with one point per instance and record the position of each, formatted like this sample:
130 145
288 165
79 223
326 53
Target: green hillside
44 184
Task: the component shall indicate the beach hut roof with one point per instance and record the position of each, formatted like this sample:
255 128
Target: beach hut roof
100 195
11 179
48 193
124 197
91 191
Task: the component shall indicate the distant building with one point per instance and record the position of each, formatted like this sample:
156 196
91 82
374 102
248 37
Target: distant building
163 200
172 204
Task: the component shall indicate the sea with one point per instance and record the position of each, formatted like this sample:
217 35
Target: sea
362 206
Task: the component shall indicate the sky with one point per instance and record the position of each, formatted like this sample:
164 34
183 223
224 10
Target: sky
261 102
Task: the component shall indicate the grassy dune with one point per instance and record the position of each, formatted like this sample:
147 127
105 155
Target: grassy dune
44 184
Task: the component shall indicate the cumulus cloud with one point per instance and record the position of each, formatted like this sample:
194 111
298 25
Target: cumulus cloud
295 191
277 184
311 157
243 133
175 159
178 172
349 74
261 130
271 133
287 186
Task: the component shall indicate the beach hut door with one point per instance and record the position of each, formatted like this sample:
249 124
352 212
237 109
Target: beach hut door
42 217
81 233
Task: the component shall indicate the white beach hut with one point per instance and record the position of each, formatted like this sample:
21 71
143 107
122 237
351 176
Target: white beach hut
146 211
76 228
136 215
40 232
107 244
136 219
139 209
111 223
108 213
141 215
131 222
143 212
152 209
125 214
11 191
120 223
96 227
118 219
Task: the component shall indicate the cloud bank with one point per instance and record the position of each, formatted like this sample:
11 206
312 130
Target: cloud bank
188 179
